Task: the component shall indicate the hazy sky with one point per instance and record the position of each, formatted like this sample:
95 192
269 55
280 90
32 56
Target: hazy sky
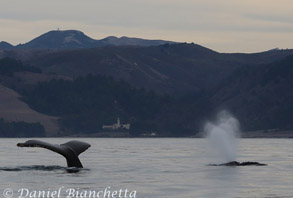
222 25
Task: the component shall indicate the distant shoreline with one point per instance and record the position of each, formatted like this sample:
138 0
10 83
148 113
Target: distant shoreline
249 134
261 134
268 134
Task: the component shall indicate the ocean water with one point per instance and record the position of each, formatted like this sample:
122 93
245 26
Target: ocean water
148 168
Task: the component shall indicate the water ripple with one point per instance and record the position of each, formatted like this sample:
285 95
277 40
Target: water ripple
42 168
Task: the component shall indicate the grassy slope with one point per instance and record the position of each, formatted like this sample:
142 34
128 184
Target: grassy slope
13 109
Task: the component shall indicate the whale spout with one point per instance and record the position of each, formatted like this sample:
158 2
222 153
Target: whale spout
70 150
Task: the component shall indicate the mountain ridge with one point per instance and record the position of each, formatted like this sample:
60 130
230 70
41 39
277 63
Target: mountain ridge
71 39
256 88
5 45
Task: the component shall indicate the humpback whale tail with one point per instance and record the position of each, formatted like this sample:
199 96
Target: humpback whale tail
69 150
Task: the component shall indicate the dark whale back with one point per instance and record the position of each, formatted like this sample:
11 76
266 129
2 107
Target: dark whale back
69 150
235 163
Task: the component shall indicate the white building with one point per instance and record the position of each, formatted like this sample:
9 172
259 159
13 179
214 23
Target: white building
117 125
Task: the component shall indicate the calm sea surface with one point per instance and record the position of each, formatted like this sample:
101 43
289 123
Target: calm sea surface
154 168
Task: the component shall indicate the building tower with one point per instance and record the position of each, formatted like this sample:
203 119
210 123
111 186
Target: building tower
118 122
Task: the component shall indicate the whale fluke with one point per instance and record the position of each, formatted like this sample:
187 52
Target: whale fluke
69 150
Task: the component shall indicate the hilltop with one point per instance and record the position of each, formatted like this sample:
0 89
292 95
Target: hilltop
70 39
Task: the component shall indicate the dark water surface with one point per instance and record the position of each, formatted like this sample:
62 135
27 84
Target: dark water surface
154 168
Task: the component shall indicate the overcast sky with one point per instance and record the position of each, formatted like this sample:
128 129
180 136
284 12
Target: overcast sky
222 25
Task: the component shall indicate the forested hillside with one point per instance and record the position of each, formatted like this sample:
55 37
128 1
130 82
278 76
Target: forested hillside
169 89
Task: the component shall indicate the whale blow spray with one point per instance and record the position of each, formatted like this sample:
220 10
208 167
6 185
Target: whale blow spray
223 134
